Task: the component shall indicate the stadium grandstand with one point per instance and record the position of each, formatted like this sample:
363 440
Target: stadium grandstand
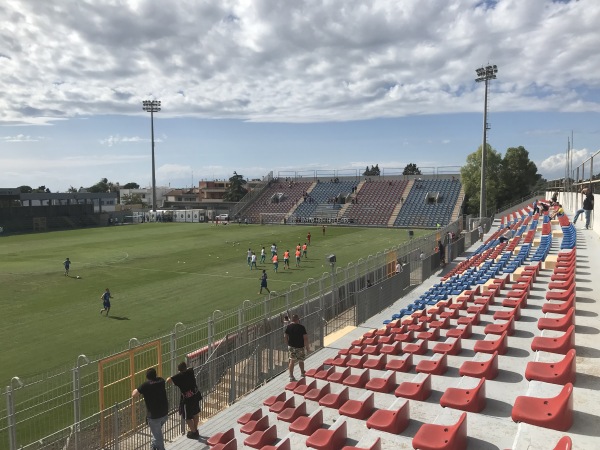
428 201
484 355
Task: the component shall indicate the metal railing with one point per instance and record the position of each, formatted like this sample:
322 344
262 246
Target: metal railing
233 351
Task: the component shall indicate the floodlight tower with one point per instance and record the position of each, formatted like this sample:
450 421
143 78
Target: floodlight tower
484 74
152 106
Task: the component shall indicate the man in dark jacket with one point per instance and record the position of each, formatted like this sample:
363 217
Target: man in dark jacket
588 207
189 407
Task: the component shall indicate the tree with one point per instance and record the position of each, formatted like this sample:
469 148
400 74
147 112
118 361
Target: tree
132 199
236 190
519 175
72 190
411 169
471 179
25 189
100 186
130 185
41 189
373 171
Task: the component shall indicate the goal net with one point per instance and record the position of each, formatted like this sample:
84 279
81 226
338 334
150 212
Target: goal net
272 218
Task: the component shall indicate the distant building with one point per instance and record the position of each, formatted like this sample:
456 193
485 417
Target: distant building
145 195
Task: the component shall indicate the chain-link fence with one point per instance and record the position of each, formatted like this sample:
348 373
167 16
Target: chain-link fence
88 406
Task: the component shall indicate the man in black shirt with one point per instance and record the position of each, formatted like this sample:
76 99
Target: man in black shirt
297 341
189 406
155 397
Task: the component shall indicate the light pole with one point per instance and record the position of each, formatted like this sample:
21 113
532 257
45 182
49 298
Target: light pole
484 74
152 106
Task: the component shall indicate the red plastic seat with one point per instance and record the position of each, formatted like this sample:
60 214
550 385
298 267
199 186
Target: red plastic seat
221 438
499 328
340 360
506 315
389 339
470 400
313 372
385 384
560 372
562 285
415 390
448 348
555 413
400 364
407 336
560 324
255 425
477 369
393 349
560 295
370 341
277 407
470 320
294 384
334 401
382 331
374 446
561 344
559 308
513 302
254 415
437 437
357 362
565 443
357 380
558 276
291 414
391 421
499 345
416 327
324 373
436 366
445 323
274 398
416 348
338 377
328 439
304 388
357 350
231 445
307 425
464 332
358 409
281 445
376 362
372 349
432 335
259 439
452 314
317 394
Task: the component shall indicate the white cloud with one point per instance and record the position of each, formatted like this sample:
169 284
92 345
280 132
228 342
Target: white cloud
300 61
554 166
111 141
21 138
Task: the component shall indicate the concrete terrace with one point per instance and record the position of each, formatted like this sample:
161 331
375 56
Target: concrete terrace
492 427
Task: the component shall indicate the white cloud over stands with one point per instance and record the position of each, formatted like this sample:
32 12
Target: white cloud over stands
554 166
21 138
268 60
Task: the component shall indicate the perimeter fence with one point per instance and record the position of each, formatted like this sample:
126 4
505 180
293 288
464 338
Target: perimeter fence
233 352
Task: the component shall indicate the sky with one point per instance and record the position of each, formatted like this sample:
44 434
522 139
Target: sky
292 87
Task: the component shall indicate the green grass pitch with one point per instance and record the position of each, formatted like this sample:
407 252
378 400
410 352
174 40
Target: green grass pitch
159 274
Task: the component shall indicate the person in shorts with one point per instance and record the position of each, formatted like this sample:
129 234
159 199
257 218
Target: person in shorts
263 282
105 297
189 405
67 265
296 338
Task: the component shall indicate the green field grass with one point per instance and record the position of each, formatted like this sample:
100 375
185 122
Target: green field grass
159 274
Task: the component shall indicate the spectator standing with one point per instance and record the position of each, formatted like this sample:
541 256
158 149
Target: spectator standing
398 267
442 251
157 406
480 230
588 207
296 338
189 404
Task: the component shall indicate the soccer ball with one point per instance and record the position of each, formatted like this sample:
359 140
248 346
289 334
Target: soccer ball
78 277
